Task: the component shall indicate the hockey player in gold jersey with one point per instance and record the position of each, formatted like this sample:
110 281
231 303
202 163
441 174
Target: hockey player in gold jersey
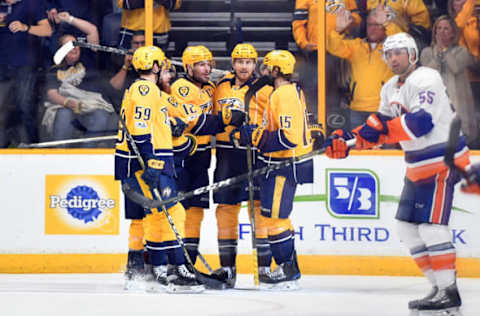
145 113
194 92
284 135
232 161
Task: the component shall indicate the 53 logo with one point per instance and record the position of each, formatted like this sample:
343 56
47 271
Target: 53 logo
352 193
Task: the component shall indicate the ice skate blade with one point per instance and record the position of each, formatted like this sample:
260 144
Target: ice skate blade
282 286
454 311
155 287
181 289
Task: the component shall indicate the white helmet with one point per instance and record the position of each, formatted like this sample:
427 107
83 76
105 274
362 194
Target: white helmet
401 40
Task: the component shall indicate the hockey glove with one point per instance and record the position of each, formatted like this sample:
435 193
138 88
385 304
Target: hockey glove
472 184
336 146
152 173
194 144
247 134
233 117
177 126
373 132
318 135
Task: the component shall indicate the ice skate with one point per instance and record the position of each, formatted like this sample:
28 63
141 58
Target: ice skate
229 274
134 279
284 278
413 305
182 280
445 302
156 279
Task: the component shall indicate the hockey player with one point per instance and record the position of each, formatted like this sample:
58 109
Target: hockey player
285 135
415 111
145 113
231 161
194 94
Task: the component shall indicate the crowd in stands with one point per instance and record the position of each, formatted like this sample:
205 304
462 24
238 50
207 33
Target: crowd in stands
40 101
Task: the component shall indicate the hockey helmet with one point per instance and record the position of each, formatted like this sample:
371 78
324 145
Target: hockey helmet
145 57
401 40
282 59
244 51
194 54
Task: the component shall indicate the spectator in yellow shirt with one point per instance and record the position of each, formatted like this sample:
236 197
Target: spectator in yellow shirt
368 70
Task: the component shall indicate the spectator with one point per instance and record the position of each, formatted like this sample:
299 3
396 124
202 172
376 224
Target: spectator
306 33
452 61
22 24
467 22
74 93
368 70
125 75
133 19
92 11
411 16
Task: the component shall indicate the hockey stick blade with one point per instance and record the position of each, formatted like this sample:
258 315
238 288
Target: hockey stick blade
62 52
211 281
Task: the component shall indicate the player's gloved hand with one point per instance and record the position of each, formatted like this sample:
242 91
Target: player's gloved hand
177 126
372 133
247 134
336 146
233 117
472 184
153 172
318 135
193 144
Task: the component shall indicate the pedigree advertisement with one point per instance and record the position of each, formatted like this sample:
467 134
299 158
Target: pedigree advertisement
81 205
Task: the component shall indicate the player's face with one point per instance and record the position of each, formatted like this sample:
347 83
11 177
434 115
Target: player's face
244 68
165 78
397 60
201 71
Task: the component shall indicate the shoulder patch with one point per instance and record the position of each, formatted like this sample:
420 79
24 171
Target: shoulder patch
172 101
183 91
143 89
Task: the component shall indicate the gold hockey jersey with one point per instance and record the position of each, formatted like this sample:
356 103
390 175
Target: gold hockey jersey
193 102
227 94
145 112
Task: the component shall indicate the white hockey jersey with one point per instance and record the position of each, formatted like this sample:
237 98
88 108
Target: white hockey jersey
420 101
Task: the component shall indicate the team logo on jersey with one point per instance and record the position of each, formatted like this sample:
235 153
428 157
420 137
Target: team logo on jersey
81 205
143 89
352 193
234 103
397 108
183 91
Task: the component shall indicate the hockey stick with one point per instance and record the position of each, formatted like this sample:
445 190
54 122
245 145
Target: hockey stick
452 144
251 210
68 46
204 278
67 142
149 203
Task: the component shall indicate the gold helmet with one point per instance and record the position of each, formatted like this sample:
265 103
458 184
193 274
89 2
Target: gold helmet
282 59
144 58
244 51
194 54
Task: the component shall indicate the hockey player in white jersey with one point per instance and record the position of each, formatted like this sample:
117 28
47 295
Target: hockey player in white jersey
415 111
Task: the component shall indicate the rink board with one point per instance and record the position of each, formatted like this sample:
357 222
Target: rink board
63 212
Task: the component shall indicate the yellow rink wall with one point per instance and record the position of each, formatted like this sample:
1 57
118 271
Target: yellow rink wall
38 238
309 264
